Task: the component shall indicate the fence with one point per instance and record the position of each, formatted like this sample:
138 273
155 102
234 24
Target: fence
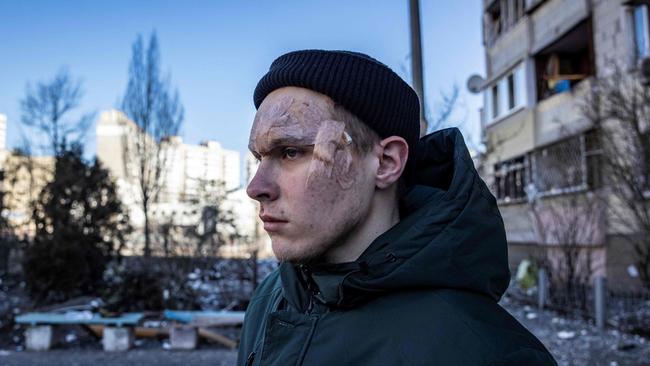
625 310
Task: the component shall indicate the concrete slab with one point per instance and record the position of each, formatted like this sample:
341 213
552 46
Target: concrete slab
38 338
183 337
117 339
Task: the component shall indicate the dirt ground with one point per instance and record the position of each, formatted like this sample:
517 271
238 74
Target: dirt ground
577 342
148 357
572 342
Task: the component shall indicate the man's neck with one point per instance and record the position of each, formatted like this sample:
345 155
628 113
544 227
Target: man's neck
383 214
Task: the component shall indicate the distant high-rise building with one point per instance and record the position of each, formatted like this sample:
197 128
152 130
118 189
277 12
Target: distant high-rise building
189 172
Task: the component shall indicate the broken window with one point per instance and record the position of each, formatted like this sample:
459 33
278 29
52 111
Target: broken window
565 62
502 15
511 177
569 165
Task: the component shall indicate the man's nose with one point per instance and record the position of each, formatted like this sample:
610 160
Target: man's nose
263 186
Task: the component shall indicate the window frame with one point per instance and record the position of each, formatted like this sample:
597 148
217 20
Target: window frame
643 8
506 101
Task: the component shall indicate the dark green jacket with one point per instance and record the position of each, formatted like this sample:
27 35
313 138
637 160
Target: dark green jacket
424 293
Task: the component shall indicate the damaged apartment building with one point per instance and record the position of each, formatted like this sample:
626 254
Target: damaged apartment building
542 57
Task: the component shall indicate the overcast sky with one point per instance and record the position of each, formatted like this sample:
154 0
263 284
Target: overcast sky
216 51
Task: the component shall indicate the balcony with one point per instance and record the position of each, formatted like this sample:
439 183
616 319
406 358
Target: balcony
559 116
554 19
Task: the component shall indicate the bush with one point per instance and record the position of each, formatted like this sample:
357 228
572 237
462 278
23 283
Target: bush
79 228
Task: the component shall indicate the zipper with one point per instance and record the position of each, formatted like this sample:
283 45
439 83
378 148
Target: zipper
250 359
311 288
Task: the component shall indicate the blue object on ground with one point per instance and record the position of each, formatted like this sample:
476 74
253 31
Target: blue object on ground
190 316
78 317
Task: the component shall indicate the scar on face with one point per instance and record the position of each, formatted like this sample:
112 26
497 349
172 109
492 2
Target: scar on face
287 119
330 157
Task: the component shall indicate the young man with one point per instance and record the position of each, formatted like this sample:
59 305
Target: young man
392 250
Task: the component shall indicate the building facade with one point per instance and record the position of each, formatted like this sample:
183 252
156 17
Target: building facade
542 57
193 177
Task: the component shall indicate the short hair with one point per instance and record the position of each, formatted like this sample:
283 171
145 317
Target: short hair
363 138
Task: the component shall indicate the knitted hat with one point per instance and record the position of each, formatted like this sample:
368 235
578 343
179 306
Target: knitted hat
361 84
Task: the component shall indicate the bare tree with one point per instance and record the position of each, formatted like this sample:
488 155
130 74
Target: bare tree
158 113
568 227
204 224
445 108
48 106
619 106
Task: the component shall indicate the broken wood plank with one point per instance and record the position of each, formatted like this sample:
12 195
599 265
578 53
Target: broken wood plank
98 330
216 337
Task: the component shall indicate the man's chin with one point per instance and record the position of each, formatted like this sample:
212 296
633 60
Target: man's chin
286 252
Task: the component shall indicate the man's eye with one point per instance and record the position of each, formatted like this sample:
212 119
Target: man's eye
290 153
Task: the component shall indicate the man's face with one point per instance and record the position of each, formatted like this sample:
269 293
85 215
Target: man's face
313 188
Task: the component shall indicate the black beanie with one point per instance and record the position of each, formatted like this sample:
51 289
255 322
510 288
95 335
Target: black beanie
358 82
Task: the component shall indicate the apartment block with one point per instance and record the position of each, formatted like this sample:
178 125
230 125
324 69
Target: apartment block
542 57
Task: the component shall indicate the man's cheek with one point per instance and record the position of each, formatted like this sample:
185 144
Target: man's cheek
331 158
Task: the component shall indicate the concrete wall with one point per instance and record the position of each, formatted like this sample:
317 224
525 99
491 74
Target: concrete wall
553 19
620 255
559 116
518 222
511 137
509 49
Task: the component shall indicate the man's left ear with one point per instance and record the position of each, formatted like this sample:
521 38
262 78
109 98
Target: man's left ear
394 153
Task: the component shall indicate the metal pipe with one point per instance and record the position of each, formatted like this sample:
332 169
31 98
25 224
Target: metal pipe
416 60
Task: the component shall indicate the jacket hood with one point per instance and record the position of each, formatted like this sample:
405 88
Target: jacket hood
450 235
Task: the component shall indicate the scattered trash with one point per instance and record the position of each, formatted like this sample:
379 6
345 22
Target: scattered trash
166 345
138 342
71 337
566 334
583 332
632 271
527 308
4 352
152 324
531 316
613 363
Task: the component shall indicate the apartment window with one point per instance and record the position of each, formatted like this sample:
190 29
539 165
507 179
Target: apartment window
511 177
511 91
593 157
569 165
566 62
641 33
501 16
495 101
507 94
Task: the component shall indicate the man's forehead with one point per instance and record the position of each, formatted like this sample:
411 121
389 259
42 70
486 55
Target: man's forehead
289 114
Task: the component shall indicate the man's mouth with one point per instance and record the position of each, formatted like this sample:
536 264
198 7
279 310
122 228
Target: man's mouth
272 223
